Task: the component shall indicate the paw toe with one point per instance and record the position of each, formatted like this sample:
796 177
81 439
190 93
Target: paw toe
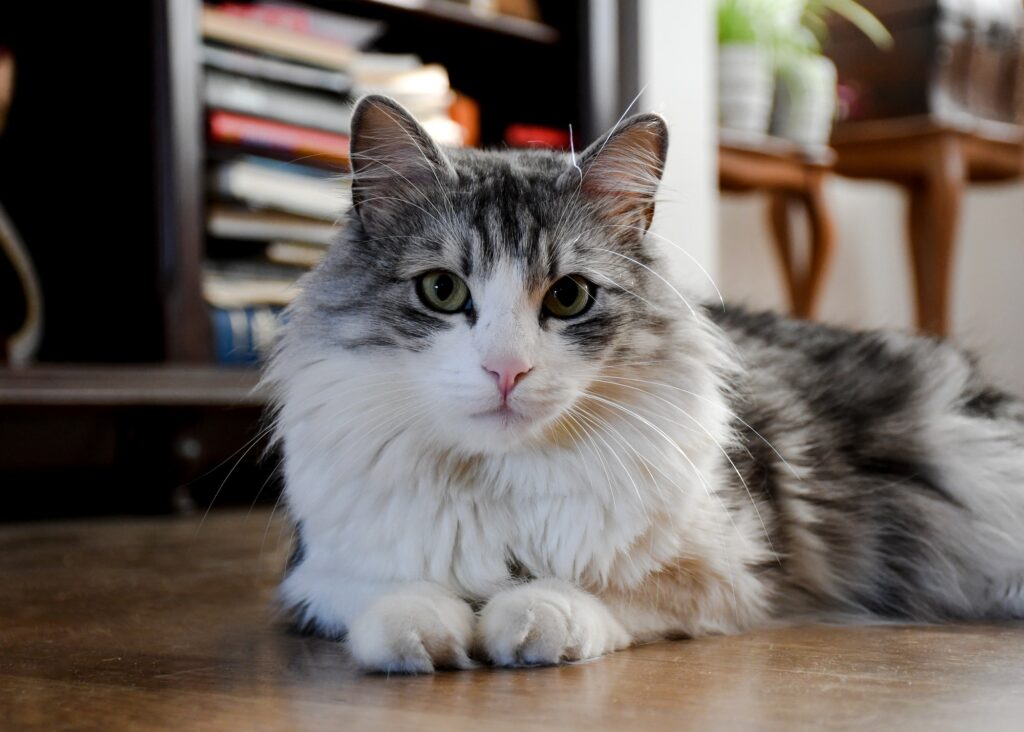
408 638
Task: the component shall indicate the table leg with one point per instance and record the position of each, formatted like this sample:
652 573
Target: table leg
782 236
822 241
805 287
932 223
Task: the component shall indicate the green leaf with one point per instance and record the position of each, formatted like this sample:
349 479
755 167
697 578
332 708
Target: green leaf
862 18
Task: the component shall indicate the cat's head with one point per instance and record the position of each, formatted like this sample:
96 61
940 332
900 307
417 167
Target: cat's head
491 289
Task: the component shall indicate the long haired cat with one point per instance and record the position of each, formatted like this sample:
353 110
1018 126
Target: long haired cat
508 436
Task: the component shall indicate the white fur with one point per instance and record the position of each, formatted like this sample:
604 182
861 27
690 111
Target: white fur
374 450
546 622
413 630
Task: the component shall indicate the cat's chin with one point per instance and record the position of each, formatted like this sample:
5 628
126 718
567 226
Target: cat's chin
500 430
503 416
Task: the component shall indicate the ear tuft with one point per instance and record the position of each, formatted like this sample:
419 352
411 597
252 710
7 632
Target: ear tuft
622 170
393 159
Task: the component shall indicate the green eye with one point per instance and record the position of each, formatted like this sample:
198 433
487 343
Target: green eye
570 296
442 291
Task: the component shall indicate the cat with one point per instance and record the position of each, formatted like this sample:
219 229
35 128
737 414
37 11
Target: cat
509 437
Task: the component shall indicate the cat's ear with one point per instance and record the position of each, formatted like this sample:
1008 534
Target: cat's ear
620 172
394 161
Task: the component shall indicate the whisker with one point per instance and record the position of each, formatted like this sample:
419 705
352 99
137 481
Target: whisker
734 416
667 283
721 449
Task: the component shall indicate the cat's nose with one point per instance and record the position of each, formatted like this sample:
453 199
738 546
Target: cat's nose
507 372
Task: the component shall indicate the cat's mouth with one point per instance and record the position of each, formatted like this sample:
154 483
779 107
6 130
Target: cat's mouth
504 414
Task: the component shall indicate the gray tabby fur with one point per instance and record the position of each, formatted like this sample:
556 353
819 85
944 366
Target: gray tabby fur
883 475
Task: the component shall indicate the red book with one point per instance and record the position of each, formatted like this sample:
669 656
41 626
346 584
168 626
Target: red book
521 135
325 24
299 142
295 19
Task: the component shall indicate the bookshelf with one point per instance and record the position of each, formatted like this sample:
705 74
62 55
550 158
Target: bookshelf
127 385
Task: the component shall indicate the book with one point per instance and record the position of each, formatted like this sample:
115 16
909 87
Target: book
243 282
261 99
423 89
344 29
225 222
374 68
518 134
236 129
244 335
276 70
295 253
233 29
263 183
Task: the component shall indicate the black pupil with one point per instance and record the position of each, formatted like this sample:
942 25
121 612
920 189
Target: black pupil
444 286
566 292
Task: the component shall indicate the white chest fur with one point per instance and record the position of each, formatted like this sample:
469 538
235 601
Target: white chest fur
408 515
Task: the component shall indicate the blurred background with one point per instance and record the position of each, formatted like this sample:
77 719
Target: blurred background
169 169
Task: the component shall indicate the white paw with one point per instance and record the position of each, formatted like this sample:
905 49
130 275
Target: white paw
412 633
545 623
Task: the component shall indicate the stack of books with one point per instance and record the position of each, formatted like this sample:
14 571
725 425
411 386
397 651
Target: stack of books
278 85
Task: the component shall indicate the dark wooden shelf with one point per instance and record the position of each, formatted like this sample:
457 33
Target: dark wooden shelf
135 385
446 11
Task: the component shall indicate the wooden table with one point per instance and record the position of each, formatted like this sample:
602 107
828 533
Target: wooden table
791 175
169 624
934 162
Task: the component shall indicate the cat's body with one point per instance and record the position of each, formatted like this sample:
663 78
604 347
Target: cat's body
646 467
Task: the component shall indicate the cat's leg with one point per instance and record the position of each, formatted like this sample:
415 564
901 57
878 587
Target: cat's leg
397 627
547 621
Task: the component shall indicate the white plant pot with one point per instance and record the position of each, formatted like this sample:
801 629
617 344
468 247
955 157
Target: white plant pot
805 100
745 88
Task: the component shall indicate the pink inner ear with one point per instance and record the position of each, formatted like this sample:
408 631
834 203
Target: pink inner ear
389 144
393 159
624 171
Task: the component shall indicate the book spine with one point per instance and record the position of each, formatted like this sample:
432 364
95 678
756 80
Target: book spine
237 129
244 335
276 70
232 29
293 19
326 25
282 104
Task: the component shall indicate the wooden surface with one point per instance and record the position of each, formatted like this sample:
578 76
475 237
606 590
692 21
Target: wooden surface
168 624
135 385
934 163
793 177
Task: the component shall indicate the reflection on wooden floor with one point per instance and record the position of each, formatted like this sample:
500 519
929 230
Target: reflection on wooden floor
166 624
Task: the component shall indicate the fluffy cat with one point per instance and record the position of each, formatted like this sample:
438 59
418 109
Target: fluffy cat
509 437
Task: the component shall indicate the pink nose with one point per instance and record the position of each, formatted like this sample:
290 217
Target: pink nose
507 372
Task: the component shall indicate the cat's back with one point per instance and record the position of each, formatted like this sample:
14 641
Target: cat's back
840 373
891 468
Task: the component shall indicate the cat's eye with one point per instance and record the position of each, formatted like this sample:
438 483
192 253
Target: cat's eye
570 296
443 291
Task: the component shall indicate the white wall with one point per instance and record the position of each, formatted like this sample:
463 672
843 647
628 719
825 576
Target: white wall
677 51
869 284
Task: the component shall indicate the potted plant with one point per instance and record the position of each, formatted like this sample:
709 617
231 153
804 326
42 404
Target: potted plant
745 67
805 89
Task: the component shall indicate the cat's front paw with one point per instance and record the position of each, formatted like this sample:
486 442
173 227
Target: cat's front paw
412 633
545 623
